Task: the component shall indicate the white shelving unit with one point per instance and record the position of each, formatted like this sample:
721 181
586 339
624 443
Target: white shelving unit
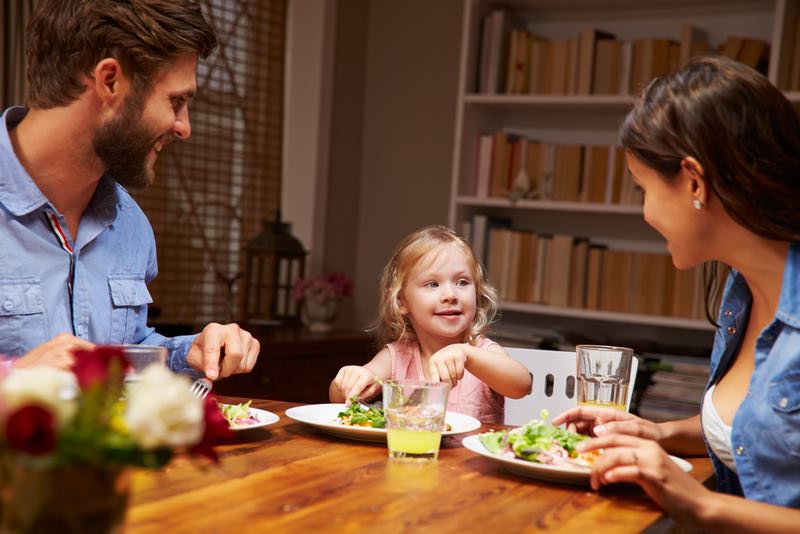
592 120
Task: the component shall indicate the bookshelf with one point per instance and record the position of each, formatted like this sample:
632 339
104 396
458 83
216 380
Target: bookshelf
490 100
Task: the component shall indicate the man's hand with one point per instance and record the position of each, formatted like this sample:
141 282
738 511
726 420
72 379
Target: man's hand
239 346
54 353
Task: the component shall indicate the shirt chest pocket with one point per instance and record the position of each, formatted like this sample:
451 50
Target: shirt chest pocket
784 398
22 318
129 299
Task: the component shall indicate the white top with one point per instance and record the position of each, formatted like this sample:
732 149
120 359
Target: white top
718 434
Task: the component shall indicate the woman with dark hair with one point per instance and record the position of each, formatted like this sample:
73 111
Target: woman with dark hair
716 149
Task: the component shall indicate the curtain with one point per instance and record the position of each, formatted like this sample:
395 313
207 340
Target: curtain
14 17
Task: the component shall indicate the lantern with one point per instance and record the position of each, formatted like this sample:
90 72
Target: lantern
274 260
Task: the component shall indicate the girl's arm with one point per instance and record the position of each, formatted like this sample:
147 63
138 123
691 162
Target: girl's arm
498 370
359 381
493 366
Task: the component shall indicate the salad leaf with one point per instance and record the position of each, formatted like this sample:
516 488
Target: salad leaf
357 415
535 441
235 412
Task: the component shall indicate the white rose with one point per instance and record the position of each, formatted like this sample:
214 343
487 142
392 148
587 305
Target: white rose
50 388
161 411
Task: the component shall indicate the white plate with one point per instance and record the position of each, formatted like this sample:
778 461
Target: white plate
324 417
264 417
550 473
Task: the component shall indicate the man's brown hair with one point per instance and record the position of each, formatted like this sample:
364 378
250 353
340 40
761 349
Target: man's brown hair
67 38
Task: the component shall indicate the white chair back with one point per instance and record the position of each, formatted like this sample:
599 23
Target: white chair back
554 384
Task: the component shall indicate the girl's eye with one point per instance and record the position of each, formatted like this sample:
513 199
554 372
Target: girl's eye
432 284
463 282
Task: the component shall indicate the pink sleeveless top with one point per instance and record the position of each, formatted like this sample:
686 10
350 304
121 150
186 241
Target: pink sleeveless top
470 396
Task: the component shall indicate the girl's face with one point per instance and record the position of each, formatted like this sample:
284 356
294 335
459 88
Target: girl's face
439 296
668 208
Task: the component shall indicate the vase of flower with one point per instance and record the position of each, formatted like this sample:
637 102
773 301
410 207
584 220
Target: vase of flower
319 315
320 297
64 499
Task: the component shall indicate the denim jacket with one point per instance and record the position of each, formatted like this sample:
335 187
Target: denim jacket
95 286
766 429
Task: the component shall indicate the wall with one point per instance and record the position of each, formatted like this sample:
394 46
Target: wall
411 75
370 110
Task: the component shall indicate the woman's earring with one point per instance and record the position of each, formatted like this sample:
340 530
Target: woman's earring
698 204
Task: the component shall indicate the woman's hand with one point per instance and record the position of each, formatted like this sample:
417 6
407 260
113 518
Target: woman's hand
597 421
641 461
447 364
54 353
356 381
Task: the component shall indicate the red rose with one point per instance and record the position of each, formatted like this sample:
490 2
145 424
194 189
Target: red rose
92 365
31 429
216 430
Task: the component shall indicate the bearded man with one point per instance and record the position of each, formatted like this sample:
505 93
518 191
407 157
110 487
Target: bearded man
109 85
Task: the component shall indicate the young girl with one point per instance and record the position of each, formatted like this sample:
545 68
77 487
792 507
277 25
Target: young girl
435 306
716 149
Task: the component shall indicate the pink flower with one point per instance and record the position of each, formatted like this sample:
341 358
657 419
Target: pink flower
323 288
92 365
31 429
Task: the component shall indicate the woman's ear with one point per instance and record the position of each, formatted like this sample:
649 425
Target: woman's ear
695 180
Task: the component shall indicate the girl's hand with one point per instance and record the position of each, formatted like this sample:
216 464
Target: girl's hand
597 421
356 381
642 461
54 353
447 364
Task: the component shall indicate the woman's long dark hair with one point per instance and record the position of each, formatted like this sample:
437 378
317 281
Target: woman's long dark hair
743 132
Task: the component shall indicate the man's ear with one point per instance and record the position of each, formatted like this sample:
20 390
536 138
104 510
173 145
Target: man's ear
695 179
110 82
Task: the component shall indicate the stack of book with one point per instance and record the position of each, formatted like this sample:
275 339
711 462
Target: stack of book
514 60
677 385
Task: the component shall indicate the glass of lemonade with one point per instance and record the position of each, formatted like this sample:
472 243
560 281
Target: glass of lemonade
604 373
414 413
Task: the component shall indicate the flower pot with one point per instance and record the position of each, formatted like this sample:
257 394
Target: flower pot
319 315
63 499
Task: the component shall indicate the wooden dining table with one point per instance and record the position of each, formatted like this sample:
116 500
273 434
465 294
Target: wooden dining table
293 477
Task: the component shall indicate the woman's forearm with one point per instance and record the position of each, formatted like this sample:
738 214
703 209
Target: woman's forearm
683 437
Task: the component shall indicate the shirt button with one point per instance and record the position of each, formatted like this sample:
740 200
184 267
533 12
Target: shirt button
739 450
81 329
784 402
731 330
728 313
8 305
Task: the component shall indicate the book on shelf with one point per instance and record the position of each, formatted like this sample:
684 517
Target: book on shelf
501 153
794 57
694 42
483 165
595 171
608 67
587 48
567 173
594 271
558 267
578 272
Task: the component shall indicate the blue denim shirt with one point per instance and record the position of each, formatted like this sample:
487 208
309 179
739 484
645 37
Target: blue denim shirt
766 428
114 258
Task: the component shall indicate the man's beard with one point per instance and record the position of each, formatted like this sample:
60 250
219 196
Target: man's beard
123 144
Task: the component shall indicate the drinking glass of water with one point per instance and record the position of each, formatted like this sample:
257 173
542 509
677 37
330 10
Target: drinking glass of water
414 412
604 373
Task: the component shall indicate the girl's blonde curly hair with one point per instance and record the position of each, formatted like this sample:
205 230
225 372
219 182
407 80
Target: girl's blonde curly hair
392 324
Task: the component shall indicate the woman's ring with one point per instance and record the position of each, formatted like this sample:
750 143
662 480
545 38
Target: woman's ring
635 458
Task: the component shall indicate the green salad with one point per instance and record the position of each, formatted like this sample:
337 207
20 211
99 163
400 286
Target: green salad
357 415
541 442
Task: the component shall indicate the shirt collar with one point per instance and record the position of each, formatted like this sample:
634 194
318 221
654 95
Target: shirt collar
19 193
